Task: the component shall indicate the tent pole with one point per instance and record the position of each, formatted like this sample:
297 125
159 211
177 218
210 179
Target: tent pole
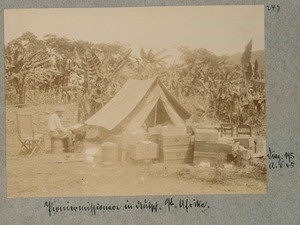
155 114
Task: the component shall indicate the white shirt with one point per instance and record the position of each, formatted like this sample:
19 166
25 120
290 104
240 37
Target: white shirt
54 123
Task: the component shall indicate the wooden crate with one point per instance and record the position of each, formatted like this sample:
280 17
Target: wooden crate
208 135
154 130
142 151
173 130
177 155
210 157
57 145
153 138
175 140
212 147
175 149
132 137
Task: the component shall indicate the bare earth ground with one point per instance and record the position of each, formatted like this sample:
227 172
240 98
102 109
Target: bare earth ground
49 175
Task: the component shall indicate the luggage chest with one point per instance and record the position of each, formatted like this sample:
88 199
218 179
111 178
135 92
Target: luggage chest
211 152
213 147
175 149
175 140
209 157
207 135
142 151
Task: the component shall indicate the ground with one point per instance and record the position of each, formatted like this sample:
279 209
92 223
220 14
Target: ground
60 175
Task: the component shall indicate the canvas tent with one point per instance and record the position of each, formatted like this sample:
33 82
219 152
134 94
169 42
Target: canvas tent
135 102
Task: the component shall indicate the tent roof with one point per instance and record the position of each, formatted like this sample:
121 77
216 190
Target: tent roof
126 101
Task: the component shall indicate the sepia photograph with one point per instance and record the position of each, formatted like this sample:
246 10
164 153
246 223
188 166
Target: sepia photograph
135 101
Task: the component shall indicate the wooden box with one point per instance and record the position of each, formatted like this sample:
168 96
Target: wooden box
153 138
143 150
57 145
207 135
213 147
208 157
175 140
132 138
154 130
173 130
177 155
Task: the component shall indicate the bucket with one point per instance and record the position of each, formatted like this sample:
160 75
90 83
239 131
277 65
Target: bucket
57 146
110 152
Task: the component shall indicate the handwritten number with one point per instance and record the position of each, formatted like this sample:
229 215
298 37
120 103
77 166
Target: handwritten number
289 156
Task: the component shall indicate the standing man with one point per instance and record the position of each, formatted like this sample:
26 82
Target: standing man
56 130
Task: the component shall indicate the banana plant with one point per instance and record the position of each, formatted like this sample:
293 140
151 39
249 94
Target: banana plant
23 57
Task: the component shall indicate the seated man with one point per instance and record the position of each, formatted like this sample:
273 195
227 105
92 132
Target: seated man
56 130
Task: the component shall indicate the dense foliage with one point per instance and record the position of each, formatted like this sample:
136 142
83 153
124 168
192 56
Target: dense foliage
74 70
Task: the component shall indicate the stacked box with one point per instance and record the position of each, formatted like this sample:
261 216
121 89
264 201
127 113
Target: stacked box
132 138
209 157
213 147
175 140
154 130
207 135
153 138
143 151
173 130
210 151
176 149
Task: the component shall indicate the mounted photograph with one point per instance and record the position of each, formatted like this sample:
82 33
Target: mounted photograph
135 101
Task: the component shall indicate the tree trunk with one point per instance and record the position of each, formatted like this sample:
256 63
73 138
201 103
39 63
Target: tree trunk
22 88
22 95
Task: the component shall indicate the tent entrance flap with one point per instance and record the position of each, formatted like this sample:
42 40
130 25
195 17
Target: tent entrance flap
161 118
175 118
140 117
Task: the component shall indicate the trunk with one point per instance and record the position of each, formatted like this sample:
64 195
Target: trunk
22 89
86 74
22 95
246 84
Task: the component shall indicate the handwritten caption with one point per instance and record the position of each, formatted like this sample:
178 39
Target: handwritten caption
273 8
93 208
280 161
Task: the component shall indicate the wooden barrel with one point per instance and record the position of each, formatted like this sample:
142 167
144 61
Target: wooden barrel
57 146
109 152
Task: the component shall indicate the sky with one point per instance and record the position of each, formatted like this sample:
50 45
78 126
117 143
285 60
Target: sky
220 29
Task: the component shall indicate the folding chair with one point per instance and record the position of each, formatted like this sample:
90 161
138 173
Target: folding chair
226 127
243 129
30 140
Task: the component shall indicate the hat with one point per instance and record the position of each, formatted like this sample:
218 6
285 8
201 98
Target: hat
60 109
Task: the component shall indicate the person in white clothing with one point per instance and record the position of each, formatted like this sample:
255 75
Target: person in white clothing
56 130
